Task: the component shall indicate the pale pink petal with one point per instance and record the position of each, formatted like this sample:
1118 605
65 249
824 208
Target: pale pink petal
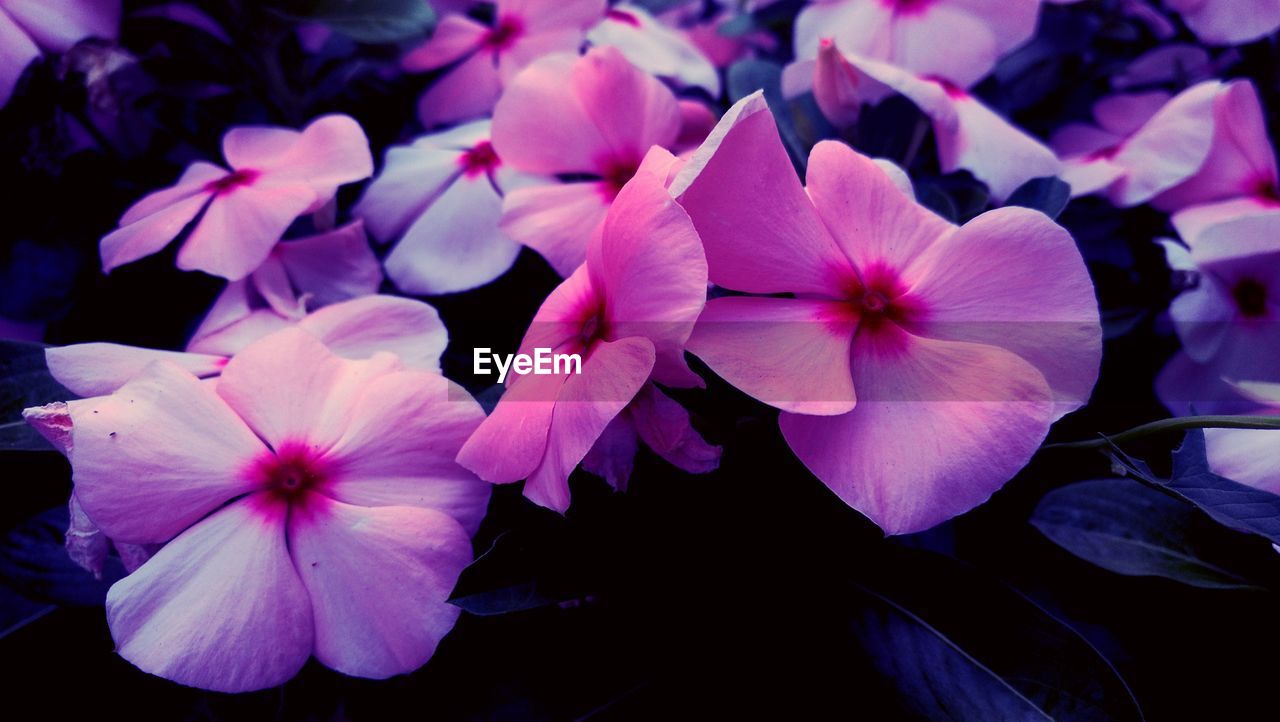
994 150
1247 456
87 546
1169 147
1240 160
228 340
271 282
240 228
1229 22
58 24
541 124
792 354
332 266
93 369
258 146
379 581
1194 221
1201 315
557 221
158 454
1186 388
511 442
467 91
866 212
530 47
155 220
610 378
966 416
405 430
631 109
544 15
651 265
362 327
863 28
664 426
411 179
331 151
656 48
947 42
456 243
220 607
455 37
292 390
1013 278
17 51
1125 113
759 229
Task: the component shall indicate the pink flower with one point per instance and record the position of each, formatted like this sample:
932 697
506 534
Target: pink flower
276 175
1238 176
656 48
481 59
1227 318
440 196
308 505
958 40
627 312
584 124
706 34
355 329
1249 456
918 365
30 27
1229 22
969 135
1143 144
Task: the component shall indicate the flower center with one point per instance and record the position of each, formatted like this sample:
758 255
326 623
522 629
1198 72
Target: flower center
232 181
1265 190
1250 297
881 298
504 34
614 174
907 7
623 16
479 160
290 471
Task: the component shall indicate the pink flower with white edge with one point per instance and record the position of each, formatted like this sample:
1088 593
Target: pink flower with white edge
1238 176
583 124
958 40
969 135
355 329
1228 22
1249 456
307 505
440 197
1143 143
656 48
627 312
275 176
479 60
29 28
918 364
1227 318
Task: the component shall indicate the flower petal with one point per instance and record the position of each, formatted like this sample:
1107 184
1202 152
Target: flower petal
557 221
362 327
332 266
93 369
240 228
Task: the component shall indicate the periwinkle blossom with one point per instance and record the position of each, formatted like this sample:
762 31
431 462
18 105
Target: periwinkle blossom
583 124
1249 456
30 28
440 197
1228 318
627 312
479 60
956 40
656 48
1228 22
307 505
1143 143
968 134
274 176
918 365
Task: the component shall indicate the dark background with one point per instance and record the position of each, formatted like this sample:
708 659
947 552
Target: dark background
749 592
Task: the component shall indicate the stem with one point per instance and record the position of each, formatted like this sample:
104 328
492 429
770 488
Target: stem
1180 424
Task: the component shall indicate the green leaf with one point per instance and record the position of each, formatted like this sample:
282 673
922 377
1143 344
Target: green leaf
1130 529
369 21
24 381
1048 195
511 576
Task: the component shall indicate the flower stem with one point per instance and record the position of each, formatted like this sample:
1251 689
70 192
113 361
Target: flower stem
1180 424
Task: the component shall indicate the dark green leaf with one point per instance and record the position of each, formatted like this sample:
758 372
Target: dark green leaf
960 645
1229 503
369 21
1048 195
1128 528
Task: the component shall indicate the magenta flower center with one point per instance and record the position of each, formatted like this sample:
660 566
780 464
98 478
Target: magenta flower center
231 181
623 16
615 173
290 471
907 7
881 298
1265 190
479 160
1250 297
504 34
